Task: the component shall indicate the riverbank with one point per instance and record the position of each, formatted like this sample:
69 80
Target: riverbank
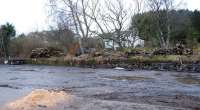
158 63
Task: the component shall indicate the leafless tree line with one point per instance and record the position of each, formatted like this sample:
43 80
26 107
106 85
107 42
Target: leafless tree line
109 19
90 18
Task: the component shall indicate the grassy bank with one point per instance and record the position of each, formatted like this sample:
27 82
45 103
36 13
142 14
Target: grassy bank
157 63
109 61
166 59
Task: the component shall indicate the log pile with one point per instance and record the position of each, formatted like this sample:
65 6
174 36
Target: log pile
138 52
178 50
46 53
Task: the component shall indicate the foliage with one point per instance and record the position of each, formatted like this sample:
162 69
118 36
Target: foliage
7 32
64 40
22 46
196 25
195 20
142 24
183 28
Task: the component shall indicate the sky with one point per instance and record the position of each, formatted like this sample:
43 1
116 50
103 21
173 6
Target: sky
25 15
31 15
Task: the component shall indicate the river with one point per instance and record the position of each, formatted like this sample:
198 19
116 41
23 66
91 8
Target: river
173 90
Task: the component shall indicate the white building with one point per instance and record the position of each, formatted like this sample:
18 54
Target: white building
130 41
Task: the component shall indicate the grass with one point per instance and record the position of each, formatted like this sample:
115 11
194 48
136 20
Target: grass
165 58
60 61
138 49
47 61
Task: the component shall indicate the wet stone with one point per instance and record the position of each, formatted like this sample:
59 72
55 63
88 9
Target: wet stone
129 78
188 80
8 86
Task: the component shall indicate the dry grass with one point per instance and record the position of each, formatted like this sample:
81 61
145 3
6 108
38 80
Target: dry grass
166 58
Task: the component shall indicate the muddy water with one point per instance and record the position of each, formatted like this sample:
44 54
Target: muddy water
169 89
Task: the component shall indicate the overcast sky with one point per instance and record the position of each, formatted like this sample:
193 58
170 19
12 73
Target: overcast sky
31 15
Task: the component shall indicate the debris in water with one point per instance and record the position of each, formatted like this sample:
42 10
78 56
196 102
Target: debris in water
119 68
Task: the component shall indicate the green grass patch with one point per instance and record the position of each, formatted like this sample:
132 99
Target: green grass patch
165 58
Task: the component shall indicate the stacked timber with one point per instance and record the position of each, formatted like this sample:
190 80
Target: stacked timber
46 53
178 50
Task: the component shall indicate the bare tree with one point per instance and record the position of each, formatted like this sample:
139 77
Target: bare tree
111 19
97 18
135 26
75 11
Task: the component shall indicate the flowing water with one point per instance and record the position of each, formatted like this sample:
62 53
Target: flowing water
169 89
